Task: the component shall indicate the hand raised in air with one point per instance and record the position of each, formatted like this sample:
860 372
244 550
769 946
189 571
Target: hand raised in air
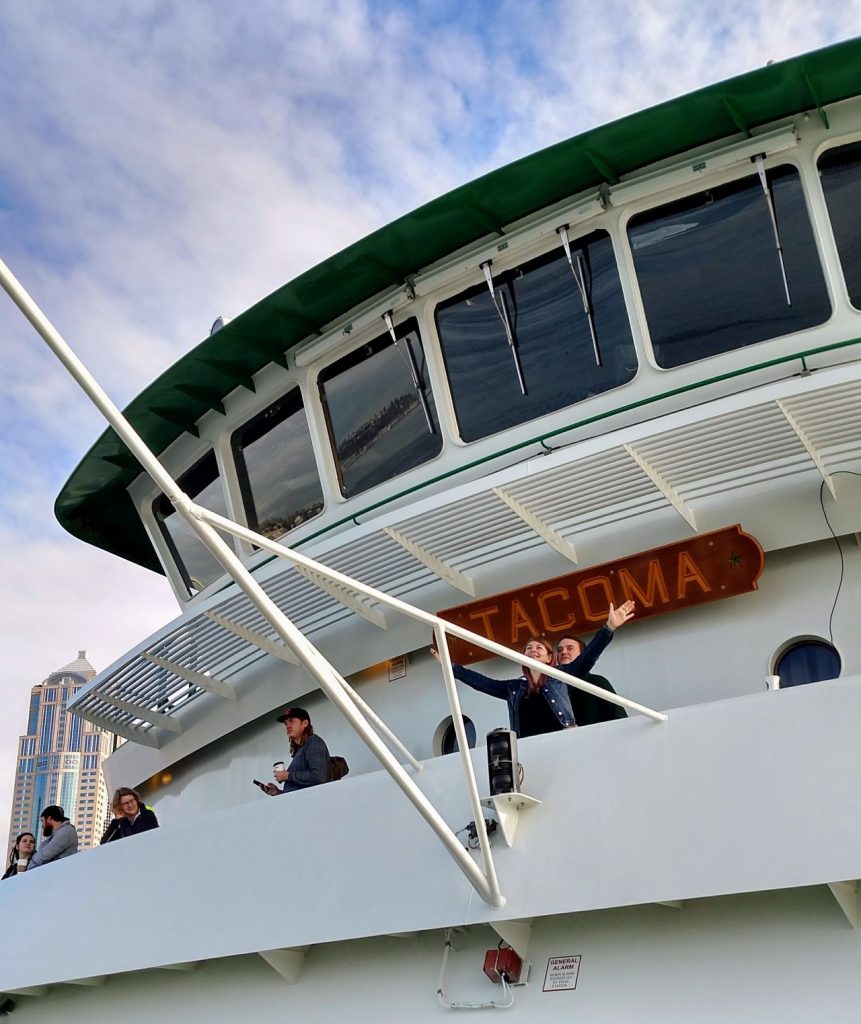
619 616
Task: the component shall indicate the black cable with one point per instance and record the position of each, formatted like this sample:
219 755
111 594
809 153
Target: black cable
839 472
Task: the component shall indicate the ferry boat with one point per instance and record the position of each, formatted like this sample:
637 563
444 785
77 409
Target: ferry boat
628 366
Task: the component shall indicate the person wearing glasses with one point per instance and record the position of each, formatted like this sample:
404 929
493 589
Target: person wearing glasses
130 816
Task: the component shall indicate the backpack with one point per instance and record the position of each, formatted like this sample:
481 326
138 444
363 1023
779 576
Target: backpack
338 768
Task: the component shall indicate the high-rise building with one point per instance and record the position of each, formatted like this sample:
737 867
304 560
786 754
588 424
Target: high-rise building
60 759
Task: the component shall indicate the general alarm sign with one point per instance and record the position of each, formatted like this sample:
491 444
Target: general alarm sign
704 568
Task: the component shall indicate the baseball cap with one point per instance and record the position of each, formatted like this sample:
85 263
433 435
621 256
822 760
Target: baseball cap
294 713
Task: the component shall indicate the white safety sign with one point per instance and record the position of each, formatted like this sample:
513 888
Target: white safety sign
561 974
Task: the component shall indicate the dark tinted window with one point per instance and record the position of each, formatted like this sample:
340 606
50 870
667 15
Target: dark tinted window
552 339
709 270
203 484
449 744
808 661
276 467
381 422
840 171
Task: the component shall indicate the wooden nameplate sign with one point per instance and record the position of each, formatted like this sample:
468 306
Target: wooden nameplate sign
702 569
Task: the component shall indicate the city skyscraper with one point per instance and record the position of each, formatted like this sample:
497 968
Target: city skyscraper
60 759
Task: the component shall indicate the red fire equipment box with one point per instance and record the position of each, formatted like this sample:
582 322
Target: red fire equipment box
503 962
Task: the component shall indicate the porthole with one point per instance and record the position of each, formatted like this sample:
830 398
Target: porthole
806 660
445 739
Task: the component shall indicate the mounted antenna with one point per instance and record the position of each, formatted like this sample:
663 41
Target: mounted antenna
502 311
760 170
418 383
579 272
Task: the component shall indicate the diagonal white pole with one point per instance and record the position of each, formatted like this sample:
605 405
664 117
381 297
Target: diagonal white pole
311 658
428 618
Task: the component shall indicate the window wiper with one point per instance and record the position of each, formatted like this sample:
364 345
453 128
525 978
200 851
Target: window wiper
418 382
760 170
579 272
502 310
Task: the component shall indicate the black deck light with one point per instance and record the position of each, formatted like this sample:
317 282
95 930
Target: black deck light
502 765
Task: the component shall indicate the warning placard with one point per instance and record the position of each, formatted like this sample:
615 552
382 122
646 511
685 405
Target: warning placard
561 974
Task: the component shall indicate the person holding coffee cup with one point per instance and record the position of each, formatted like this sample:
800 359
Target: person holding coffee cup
310 764
22 851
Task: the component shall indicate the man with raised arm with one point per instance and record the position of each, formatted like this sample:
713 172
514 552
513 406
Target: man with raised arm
588 709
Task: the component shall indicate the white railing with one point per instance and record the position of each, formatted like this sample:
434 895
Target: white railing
206 525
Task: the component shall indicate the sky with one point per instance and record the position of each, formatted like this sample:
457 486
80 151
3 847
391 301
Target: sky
163 163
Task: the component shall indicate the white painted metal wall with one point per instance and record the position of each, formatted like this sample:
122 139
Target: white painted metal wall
705 654
745 794
756 958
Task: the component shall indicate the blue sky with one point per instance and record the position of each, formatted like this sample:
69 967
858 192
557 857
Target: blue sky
164 163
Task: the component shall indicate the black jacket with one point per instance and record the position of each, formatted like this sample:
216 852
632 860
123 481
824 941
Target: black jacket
120 828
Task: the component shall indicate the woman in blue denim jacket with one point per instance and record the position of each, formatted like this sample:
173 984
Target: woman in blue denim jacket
537 703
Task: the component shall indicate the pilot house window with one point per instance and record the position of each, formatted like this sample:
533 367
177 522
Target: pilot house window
380 410
728 267
552 332
202 483
840 172
276 468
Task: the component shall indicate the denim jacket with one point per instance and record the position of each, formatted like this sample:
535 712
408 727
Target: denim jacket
554 691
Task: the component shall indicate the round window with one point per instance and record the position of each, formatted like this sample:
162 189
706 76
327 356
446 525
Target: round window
445 738
807 661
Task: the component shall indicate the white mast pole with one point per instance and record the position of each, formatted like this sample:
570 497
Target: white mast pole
310 657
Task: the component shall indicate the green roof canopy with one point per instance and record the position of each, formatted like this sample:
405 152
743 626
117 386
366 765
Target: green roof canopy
94 504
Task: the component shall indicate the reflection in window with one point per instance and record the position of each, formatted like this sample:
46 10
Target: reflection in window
203 484
840 171
276 468
552 338
380 410
807 661
710 272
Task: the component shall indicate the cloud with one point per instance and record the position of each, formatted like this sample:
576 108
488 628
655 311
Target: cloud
166 163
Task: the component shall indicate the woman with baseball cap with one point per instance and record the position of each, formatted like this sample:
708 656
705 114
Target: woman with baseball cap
310 764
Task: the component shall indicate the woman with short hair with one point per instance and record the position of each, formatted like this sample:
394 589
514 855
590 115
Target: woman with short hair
130 816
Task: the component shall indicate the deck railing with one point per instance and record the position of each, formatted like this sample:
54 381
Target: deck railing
209 526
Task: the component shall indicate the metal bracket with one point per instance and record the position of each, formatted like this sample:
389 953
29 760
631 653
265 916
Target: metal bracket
273 647
205 682
344 597
516 934
847 895
445 571
809 446
507 807
544 530
664 486
286 962
144 714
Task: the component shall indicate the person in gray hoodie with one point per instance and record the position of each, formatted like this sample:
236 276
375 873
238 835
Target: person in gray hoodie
61 837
